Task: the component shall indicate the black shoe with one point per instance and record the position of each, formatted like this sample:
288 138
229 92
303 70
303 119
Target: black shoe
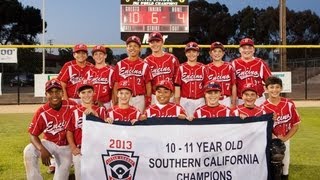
284 177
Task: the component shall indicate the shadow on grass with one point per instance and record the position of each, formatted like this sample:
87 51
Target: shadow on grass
299 172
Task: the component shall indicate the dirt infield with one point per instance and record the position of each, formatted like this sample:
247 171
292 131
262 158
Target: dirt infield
33 107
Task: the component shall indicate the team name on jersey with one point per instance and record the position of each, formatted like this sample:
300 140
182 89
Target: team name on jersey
160 71
282 119
129 72
191 77
100 80
55 128
245 74
75 79
225 78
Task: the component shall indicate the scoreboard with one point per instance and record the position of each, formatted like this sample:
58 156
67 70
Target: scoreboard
169 17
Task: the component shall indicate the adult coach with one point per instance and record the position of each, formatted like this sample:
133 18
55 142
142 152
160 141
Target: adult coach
250 69
50 119
163 65
74 71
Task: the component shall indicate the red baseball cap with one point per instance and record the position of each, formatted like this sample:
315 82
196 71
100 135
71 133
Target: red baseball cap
155 36
246 41
125 85
84 83
249 87
135 39
100 48
212 86
166 84
80 47
191 46
216 45
53 83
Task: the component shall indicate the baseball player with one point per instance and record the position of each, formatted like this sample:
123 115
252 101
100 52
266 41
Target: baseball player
250 69
190 78
137 72
163 106
101 76
85 90
287 119
212 108
123 111
163 65
222 72
49 120
248 108
74 71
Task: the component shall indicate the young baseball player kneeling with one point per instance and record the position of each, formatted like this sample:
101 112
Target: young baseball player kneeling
49 120
212 108
85 91
249 97
123 111
287 119
163 107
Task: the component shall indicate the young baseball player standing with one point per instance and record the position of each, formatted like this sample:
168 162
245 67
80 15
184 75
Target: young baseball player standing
248 108
85 90
222 72
101 77
74 71
137 72
49 120
163 65
123 111
212 108
190 79
287 119
163 107
250 69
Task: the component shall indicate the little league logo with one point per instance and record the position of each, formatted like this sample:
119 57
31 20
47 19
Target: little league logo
120 165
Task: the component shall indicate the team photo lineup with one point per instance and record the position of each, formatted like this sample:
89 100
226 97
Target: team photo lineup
137 89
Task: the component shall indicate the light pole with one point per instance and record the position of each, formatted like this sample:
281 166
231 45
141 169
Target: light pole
283 34
43 40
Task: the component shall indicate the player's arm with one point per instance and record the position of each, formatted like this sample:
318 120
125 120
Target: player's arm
114 94
177 94
74 149
64 89
233 96
148 95
44 153
292 131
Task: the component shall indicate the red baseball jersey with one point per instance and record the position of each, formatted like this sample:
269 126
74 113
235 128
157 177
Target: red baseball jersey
162 68
52 123
103 83
75 123
191 80
249 112
223 74
127 115
255 72
168 110
71 74
136 72
206 111
287 115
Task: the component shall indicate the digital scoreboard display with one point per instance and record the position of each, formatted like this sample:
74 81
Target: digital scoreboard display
145 16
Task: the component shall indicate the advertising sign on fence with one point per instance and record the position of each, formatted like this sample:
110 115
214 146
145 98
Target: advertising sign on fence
286 80
8 55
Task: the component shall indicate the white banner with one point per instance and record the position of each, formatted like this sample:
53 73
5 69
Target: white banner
8 55
181 152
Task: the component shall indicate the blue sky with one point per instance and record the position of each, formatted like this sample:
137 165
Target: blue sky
98 21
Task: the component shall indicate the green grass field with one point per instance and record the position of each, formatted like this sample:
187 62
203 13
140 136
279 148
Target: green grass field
305 154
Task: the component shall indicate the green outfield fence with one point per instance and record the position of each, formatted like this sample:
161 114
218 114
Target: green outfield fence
303 61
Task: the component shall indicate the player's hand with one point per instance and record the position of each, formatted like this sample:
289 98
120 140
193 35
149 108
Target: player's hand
143 117
182 116
133 121
242 116
90 111
75 151
190 118
282 138
274 116
45 156
109 120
